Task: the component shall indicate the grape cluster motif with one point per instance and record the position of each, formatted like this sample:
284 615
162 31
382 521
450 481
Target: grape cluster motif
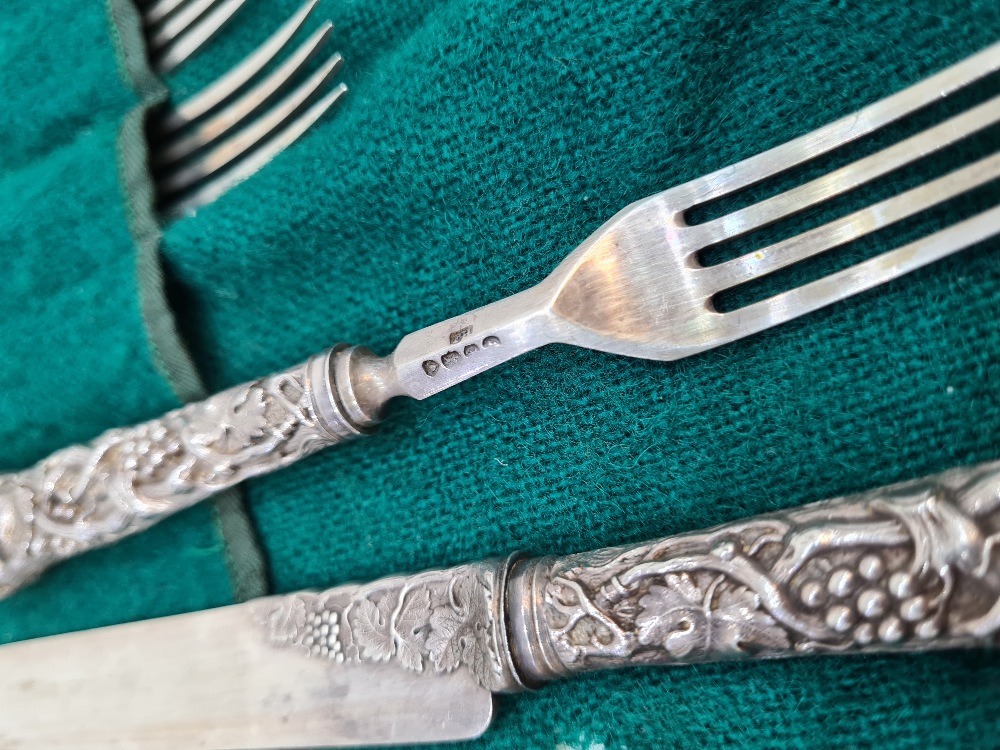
873 601
322 635
437 621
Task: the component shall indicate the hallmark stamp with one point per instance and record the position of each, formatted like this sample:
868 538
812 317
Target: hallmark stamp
452 357
455 336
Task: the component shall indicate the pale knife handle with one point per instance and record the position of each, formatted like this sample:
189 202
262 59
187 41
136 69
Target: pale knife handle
127 479
907 567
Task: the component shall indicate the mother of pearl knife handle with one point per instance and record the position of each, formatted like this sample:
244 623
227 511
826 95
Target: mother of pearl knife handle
906 567
129 478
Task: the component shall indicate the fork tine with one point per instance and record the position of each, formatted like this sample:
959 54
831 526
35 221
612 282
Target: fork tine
846 178
229 83
212 189
838 133
227 119
178 22
226 152
858 278
849 228
193 38
160 10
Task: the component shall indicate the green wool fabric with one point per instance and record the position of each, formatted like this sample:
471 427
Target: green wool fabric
76 357
479 143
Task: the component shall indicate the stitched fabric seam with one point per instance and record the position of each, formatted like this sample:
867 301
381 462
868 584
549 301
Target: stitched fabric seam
243 553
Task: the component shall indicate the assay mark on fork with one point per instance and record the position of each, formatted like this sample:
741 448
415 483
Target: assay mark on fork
452 357
455 336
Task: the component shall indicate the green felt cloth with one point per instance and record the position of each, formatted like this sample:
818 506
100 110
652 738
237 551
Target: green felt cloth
480 142
75 354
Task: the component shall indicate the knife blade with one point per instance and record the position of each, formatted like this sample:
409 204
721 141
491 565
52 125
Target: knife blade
418 658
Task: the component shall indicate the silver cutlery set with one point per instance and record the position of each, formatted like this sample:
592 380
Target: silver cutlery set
418 658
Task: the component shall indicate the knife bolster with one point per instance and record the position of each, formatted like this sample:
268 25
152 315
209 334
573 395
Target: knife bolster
534 659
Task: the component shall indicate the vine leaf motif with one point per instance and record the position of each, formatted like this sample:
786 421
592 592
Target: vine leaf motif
683 618
410 630
445 639
286 621
90 495
459 630
371 630
232 426
674 616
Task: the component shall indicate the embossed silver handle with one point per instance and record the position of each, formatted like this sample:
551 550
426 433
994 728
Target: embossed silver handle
128 479
906 567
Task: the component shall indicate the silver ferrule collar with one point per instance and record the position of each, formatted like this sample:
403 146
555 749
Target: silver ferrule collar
534 659
331 394
509 679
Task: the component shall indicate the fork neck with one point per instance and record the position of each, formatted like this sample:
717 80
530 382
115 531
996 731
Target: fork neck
442 355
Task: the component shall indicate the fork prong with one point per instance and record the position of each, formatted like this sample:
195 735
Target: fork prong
845 130
232 81
193 38
178 23
846 178
231 116
159 10
233 147
212 189
858 278
849 228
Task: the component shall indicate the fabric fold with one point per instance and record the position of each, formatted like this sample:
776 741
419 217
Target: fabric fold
244 557
76 358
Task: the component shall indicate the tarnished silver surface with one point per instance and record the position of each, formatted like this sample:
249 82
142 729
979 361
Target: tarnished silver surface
437 621
402 660
908 567
416 658
88 496
635 287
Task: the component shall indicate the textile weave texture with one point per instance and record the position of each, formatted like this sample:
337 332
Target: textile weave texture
481 141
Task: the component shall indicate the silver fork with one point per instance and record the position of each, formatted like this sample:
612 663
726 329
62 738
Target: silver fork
202 147
176 29
635 287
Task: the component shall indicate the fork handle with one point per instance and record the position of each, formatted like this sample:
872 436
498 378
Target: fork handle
88 496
